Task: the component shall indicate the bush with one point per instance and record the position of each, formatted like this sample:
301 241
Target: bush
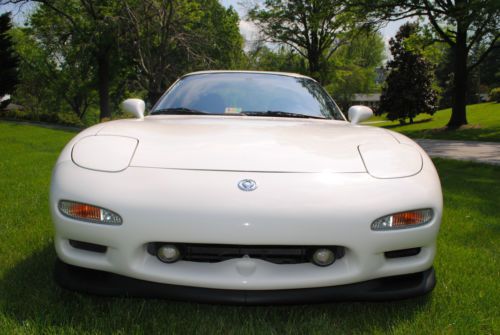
48 117
67 119
15 114
495 94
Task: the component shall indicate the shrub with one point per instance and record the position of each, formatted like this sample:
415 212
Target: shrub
67 119
495 94
408 90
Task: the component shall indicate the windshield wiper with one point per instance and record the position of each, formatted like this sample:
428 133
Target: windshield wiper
179 111
189 111
281 114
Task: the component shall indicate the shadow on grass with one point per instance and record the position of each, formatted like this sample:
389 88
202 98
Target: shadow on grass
407 124
491 134
33 297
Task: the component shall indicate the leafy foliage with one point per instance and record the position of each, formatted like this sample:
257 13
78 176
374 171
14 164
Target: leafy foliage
34 91
314 29
354 67
490 68
283 59
495 94
84 55
8 58
465 25
168 38
408 90
66 65
81 37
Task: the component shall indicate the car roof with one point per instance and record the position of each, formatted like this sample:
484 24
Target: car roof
288 74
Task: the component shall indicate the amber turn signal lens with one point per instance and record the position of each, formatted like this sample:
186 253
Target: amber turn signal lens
89 213
403 220
84 211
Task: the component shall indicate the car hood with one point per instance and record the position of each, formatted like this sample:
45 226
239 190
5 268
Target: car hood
239 143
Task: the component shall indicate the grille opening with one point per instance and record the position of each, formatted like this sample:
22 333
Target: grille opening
88 246
402 253
213 253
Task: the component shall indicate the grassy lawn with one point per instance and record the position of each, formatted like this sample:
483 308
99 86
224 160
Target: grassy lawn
465 300
484 124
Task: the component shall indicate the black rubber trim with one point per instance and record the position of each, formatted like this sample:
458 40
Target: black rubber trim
88 246
402 253
109 284
214 253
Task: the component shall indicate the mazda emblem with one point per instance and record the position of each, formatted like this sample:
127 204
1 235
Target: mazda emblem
247 185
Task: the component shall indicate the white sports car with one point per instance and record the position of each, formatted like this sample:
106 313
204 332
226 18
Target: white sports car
245 187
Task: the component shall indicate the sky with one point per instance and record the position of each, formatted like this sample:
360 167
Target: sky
19 12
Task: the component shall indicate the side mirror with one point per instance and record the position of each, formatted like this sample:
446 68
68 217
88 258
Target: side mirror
359 113
136 107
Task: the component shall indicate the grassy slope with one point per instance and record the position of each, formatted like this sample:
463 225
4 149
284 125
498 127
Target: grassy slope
484 124
465 300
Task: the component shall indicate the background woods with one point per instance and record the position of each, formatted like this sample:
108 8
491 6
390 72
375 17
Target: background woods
73 61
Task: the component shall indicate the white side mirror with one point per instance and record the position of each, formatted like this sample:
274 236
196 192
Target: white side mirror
359 113
136 107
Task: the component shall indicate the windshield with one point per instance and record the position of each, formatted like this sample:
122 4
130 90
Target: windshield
256 94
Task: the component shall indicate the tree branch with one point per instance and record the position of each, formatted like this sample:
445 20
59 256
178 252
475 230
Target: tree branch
492 46
436 26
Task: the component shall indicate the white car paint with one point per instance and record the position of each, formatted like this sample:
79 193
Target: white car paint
104 153
136 107
175 179
358 114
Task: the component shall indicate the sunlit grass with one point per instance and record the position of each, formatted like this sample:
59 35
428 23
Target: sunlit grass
465 300
484 124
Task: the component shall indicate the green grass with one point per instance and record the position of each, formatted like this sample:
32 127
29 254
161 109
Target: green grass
465 300
484 124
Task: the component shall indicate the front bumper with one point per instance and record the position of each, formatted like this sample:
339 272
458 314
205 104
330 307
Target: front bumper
182 206
109 284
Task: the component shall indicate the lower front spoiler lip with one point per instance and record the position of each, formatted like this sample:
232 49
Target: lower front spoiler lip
109 284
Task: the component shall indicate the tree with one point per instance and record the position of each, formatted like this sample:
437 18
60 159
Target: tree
408 90
32 91
490 68
284 59
132 45
91 24
168 38
439 56
462 24
220 30
8 58
67 66
314 29
353 68
54 76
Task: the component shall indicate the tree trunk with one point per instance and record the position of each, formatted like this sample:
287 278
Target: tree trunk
458 115
76 110
103 84
313 58
153 96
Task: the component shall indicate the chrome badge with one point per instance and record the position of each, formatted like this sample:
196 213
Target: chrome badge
247 185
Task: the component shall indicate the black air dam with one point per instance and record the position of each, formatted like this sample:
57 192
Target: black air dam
109 284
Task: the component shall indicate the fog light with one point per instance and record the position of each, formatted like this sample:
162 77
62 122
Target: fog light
168 253
403 220
323 257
